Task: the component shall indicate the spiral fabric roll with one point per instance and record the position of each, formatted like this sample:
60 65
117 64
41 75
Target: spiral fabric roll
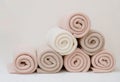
77 61
24 61
49 61
92 43
103 62
61 41
77 23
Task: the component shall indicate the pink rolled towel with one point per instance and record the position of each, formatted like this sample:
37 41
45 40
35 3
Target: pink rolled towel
24 61
103 62
78 61
77 23
92 43
49 61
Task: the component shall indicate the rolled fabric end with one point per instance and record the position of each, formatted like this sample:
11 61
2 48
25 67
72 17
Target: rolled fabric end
61 41
103 62
77 23
78 61
24 61
49 61
92 43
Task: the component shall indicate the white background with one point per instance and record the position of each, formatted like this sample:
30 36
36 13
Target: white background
27 21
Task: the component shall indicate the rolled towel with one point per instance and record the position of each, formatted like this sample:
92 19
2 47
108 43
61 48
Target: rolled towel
49 61
92 43
61 41
103 62
77 23
78 61
24 61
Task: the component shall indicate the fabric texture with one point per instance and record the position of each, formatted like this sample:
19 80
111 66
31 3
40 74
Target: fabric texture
61 41
49 61
77 61
24 61
76 23
103 62
92 43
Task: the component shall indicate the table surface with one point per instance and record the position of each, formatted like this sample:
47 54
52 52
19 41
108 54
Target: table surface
60 77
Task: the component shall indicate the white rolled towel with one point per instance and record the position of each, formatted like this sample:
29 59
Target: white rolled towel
61 40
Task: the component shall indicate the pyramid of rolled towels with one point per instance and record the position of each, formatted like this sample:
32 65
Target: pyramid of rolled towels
71 45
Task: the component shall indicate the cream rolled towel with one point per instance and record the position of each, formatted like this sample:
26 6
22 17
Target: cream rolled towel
61 41
77 61
24 61
49 61
103 62
76 23
92 43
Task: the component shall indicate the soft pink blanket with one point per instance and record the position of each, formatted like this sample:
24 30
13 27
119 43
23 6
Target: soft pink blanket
24 61
49 61
77 23
78 61
103 62
92 43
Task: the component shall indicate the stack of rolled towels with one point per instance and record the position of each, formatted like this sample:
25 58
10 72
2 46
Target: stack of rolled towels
71 45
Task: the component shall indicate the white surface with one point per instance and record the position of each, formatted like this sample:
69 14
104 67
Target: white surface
27 21
61 77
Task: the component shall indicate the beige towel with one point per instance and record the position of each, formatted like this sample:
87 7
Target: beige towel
49 61
92 43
